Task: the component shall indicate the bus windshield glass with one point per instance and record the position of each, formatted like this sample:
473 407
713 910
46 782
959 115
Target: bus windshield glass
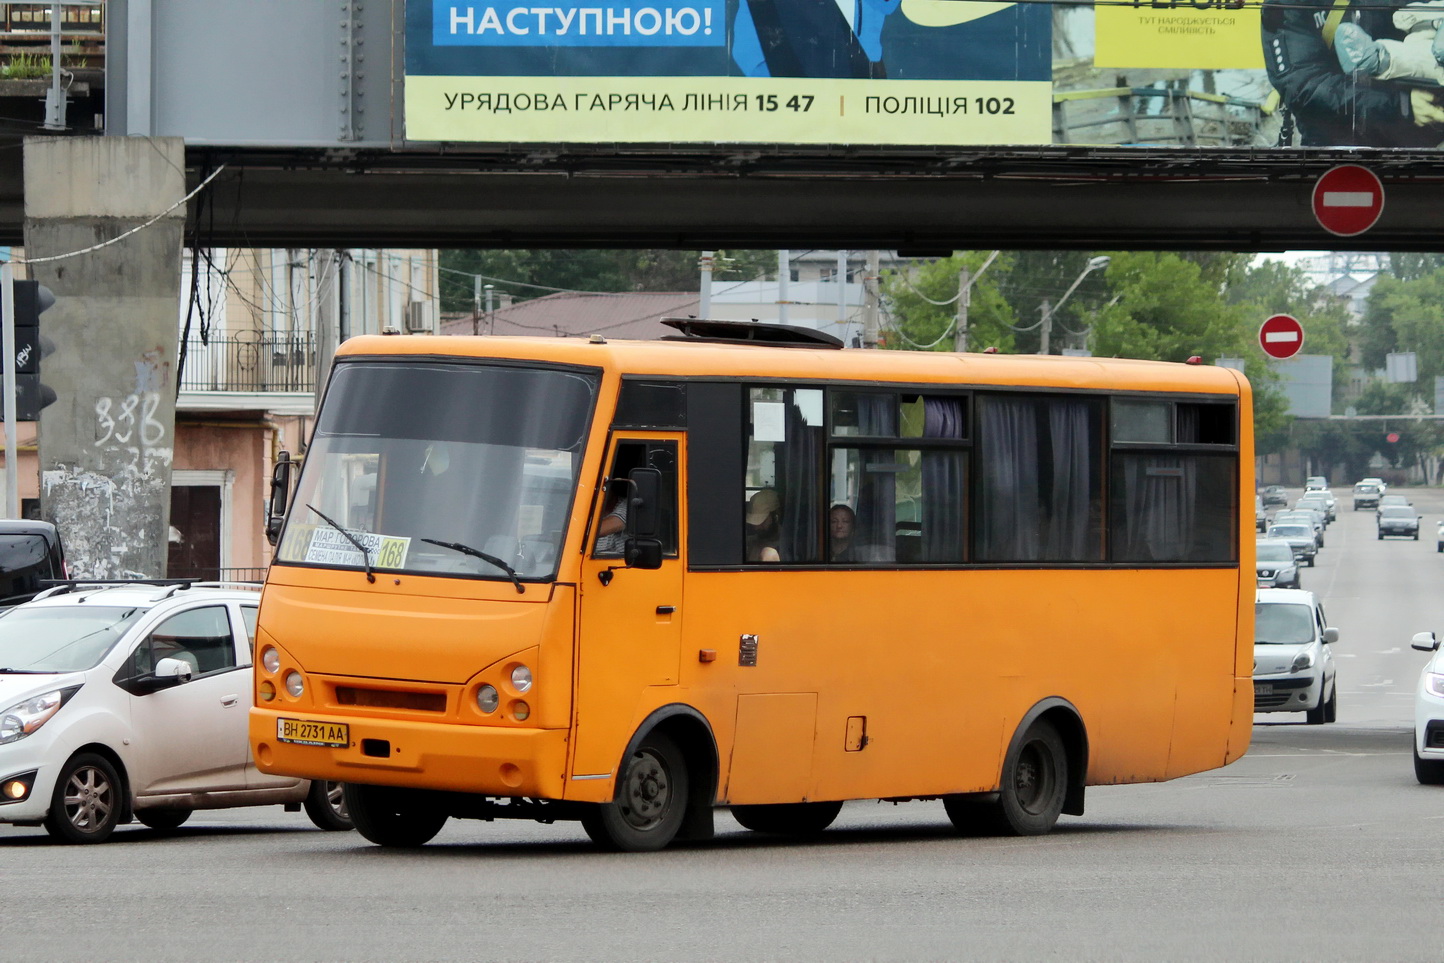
463 470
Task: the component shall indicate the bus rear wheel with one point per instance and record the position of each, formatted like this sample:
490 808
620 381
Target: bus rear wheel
1031 794
788 819
650 801
393 817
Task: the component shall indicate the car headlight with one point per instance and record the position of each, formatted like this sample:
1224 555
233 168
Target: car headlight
1433 681
1302 661
22 719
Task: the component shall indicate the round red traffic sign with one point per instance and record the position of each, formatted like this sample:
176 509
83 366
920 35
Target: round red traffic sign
1392 437
1281 336
1348 199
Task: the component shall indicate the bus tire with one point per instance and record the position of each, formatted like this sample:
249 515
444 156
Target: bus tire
393 817
788 819
1030 795
650 801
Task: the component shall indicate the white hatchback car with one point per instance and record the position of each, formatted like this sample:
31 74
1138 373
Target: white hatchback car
1429 714
1293 663
123 701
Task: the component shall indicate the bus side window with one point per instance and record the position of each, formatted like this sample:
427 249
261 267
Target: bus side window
783 514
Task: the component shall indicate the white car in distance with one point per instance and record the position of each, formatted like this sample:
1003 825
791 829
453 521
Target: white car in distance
123 701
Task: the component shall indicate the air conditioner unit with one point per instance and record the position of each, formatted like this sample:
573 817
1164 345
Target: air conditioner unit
420 317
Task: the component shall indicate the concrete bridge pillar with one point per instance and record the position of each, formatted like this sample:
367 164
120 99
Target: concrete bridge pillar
106 445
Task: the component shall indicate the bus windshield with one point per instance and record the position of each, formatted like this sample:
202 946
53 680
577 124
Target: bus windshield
463 470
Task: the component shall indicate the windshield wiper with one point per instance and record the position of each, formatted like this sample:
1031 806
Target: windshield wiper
4 671
365 555
478 553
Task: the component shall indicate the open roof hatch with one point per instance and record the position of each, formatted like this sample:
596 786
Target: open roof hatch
749 332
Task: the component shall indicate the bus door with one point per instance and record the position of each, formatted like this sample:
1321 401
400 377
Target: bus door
630 626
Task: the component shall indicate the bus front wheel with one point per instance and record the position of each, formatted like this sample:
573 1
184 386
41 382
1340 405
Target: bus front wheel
1031 794
650 801
393 817
788 819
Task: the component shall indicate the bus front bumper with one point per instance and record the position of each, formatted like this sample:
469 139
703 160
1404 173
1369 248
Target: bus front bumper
491 760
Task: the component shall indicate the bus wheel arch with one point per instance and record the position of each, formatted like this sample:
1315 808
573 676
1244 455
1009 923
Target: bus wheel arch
1043 774
673 729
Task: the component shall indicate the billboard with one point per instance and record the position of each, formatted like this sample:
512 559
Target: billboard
920 73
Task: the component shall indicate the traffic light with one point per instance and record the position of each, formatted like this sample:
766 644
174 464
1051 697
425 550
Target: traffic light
31 299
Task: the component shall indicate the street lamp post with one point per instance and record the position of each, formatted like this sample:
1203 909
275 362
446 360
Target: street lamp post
1094 264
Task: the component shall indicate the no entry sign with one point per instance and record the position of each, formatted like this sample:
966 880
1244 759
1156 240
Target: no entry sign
1348 200
1281 336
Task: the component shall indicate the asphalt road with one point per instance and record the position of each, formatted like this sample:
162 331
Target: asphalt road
1318 845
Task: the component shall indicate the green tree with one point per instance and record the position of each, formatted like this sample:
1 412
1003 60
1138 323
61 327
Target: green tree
920 322
1406 316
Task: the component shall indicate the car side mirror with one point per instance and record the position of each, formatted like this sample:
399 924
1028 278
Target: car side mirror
177 669
1331 635
1425 642
644 514
280 495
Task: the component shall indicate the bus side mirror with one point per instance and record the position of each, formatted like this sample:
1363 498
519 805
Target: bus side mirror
644 553
644 511
280 495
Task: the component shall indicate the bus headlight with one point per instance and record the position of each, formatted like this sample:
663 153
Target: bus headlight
487 699
271 659
295 684
520 711
521 678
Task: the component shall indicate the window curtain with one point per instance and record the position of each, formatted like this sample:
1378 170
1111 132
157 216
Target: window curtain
1067 534
800 538
1159 504
876 524
944 500
1009 496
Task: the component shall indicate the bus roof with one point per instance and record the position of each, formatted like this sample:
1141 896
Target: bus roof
701 359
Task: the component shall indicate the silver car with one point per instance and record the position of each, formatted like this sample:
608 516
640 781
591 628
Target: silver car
1300 538
1399 520
1293 662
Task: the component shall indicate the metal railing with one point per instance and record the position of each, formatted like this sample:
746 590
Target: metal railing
250 362
1154 115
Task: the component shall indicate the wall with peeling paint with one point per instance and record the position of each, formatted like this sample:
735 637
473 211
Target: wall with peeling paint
107 445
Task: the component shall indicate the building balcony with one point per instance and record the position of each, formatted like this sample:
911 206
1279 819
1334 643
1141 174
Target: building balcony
251 370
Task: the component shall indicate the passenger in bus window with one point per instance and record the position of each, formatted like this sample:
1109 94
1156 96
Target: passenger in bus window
764 528
841 523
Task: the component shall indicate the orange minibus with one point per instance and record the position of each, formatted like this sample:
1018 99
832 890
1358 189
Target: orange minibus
628 582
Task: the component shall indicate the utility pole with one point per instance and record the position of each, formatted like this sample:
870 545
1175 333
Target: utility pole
870 301
784 274
490 318
842 290
1047 332
476 304
965 294
704 296
325 319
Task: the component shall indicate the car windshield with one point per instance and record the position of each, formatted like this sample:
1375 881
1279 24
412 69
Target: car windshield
1291 531
1282 623
1398 511
430 467
37 638
1274 552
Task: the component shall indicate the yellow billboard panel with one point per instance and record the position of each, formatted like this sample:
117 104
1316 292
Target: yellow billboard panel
1167 37
727 110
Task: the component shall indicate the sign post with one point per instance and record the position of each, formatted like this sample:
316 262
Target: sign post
1348 200
1281 336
